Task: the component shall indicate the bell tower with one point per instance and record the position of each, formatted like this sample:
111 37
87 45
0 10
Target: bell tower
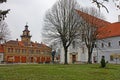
26 37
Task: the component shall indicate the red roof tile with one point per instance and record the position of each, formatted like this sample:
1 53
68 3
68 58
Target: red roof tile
92 19
21 43
106 29
112 30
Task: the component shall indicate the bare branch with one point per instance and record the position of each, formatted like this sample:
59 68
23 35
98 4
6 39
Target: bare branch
62 23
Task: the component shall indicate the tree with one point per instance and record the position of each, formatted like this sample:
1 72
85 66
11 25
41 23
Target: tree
103 63
100 3
1 1
4 31
62 24
90 25
3 13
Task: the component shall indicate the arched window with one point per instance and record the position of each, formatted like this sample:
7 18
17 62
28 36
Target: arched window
102 45
109 44
119 43
111 58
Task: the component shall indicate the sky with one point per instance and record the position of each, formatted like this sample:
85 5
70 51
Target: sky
32 12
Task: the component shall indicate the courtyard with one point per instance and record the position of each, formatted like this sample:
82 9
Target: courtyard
59 72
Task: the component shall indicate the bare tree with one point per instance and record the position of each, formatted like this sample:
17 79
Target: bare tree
62 24
100 4
3 13
90 25
4 31
1 1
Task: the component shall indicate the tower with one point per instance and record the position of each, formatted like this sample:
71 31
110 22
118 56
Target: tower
26 37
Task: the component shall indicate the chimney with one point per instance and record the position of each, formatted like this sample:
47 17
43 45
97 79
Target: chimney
118 18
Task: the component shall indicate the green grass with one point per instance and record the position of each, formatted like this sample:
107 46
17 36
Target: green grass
59 72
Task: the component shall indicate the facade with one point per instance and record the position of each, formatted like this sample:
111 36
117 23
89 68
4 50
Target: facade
77 53
26 51
108 43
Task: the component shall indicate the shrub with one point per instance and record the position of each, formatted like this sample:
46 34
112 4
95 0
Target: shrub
103 63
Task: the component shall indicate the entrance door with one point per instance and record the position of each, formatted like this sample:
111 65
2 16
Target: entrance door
95 59
32 60
73 58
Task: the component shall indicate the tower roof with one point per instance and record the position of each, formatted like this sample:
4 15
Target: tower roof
26 28
26 34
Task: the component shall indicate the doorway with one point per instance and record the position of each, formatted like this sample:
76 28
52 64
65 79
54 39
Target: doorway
73 58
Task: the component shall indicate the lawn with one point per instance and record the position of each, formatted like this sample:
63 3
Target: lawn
59 72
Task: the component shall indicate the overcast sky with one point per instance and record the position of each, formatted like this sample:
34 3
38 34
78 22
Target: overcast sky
33 11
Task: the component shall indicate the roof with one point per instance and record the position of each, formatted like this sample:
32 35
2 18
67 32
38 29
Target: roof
112 30
92 19
26 28
24 44
1 49
106 29
12 42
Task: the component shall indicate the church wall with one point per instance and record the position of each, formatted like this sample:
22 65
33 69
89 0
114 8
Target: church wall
108 51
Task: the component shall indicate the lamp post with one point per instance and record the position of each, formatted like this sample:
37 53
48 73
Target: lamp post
1 37
53 55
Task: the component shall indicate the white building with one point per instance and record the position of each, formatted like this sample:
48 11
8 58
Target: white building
75 54
108 45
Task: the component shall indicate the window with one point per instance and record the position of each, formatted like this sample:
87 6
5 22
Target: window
18 50
0 56
8 49
37 51
119 43
95 46
23 50
102 45
111 58
31 51
109 44
11 49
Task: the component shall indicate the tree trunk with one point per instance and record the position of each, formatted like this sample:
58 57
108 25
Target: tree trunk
89 57
65 50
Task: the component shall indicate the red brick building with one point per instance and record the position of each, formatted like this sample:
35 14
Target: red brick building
26 51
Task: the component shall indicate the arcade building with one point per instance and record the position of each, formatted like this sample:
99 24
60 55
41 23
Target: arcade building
25 51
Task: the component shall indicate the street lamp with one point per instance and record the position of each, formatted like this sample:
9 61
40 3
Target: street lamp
1 37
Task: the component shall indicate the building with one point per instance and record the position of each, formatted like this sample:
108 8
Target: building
26 51
108 43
